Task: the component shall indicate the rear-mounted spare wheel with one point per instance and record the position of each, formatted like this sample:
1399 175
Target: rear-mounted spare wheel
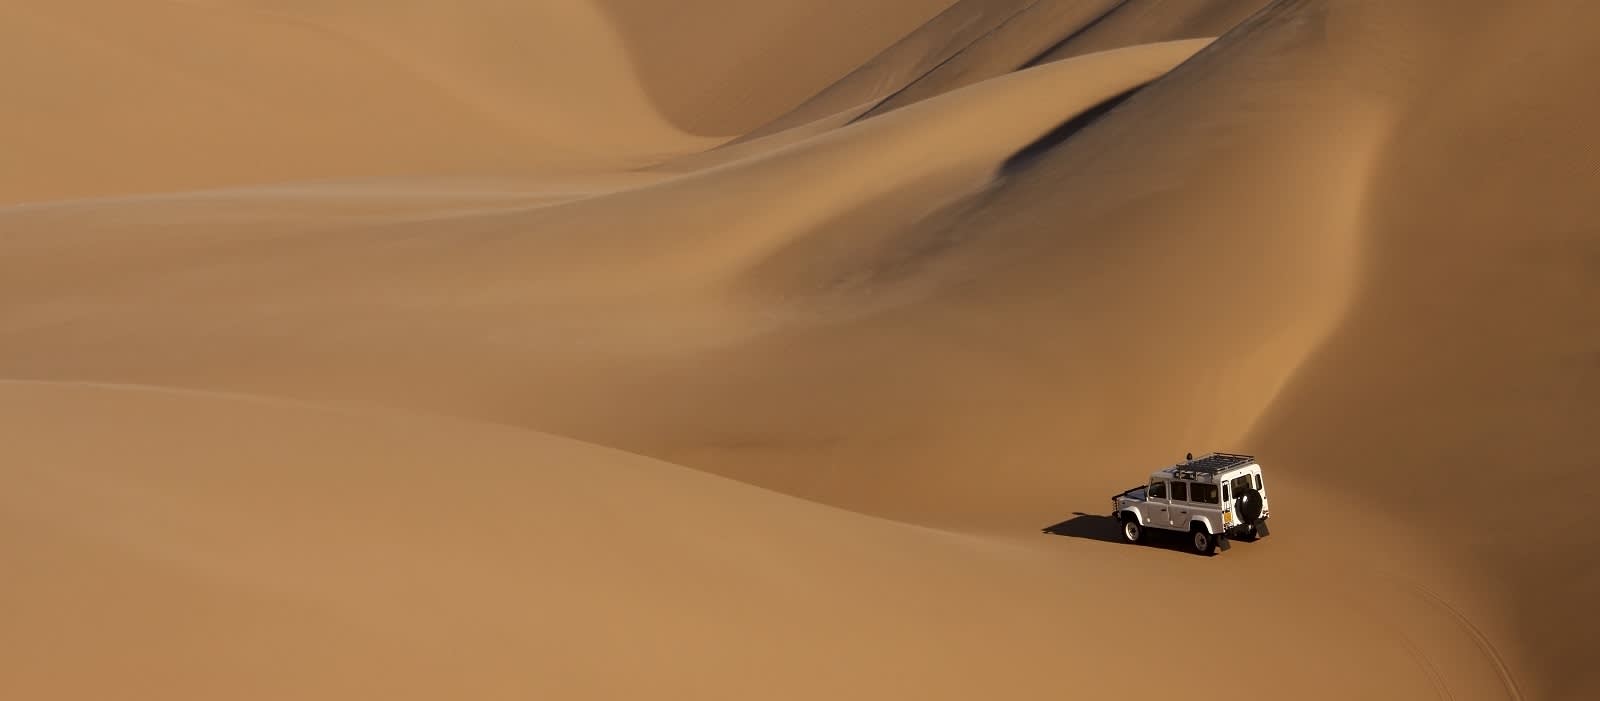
1248 505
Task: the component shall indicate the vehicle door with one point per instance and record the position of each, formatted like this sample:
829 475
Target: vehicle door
1180 506
1157 506
1205 499
1238 485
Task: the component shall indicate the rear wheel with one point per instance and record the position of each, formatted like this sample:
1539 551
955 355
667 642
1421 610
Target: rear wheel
1202 541
1132 532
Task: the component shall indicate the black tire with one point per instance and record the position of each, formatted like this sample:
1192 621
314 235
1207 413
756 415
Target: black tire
1132 532
1201 540
1248 505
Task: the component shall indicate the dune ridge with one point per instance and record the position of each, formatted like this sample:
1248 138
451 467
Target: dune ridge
974 40
915 56
719 68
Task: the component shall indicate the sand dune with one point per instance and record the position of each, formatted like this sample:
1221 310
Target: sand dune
975 40
1154 20
722 67
511 261
344 354
942 39
1011 45
104 100
336 553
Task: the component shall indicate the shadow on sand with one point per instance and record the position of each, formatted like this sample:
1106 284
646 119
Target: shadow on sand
1066 130
1106 529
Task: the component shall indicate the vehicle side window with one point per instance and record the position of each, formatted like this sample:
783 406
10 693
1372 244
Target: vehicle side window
1180 491
1258 481
1225 495
1158 489
1204 494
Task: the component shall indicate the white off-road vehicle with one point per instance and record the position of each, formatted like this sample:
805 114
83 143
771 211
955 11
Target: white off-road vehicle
1212 498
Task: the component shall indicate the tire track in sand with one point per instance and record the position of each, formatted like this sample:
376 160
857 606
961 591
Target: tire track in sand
1487 648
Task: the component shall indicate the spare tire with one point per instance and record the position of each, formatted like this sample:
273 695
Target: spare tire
1248 504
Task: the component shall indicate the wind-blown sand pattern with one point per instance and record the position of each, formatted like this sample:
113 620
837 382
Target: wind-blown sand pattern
612 348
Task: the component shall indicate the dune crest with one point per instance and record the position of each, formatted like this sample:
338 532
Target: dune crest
719 68
942 148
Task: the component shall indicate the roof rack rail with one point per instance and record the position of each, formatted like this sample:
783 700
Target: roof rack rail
1210 465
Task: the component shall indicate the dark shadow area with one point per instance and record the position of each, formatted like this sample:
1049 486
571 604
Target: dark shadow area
1009 43
1106 529
1025 157
1090 526
1040 57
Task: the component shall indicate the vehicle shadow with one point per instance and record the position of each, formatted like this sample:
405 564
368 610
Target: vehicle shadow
1090 526
1107 530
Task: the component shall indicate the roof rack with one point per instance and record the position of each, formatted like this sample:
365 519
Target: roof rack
1210 465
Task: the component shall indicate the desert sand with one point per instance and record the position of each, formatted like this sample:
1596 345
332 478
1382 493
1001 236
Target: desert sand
615 349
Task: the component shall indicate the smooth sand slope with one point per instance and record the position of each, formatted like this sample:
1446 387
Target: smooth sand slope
624 287
722 67
123 97
204 545
870 350
154 95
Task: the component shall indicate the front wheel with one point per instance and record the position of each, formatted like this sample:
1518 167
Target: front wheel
1132 532
1203 542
